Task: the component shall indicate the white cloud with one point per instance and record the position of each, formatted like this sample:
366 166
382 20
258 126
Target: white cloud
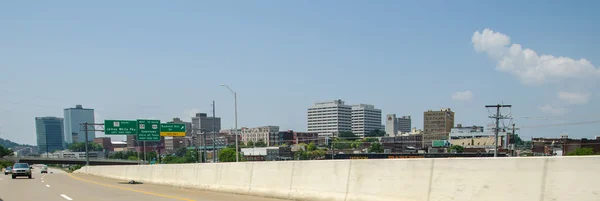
574 98
529 67
552 110
462 96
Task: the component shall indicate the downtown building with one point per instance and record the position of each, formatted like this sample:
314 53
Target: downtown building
437 125
203 123
73 119
267 134
365 119
330 118
49 134
395 126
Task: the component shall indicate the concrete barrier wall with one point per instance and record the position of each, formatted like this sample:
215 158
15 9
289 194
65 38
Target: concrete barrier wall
465 179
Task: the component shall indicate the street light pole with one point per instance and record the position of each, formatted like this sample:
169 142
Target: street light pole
237 155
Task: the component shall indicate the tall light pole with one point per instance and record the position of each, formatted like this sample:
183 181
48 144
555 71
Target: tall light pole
237 156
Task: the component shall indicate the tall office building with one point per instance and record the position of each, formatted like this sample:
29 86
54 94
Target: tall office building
74 117
440 121
437 125
331 117
203 122
404 124
395 126
49 133
365 118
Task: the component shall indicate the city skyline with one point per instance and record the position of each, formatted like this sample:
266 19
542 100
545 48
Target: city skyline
169 60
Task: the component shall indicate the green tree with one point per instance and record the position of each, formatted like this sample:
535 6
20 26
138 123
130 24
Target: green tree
347 135
180 152
376 133
357 144
5 152
250 144
376 147
458 148
97 147
132 158
371 139
227 155
260 143
341 144
301 155
582 152
311 146
80 146
151 155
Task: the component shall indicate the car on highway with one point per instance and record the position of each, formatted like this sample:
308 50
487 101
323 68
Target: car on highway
44 170
21 169
7 170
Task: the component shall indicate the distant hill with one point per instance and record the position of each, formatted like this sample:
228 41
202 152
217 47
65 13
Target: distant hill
11 144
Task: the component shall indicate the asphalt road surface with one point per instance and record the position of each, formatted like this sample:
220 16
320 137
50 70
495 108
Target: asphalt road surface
60 186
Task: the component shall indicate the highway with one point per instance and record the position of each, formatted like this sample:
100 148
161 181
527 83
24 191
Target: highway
61 186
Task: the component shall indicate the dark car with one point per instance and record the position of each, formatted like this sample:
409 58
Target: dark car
21 169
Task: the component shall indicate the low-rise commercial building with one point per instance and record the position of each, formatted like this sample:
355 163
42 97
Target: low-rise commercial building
403 144
563 145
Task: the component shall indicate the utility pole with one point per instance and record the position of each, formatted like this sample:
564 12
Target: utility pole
86 129
195 132
144 144
87 153
137 145
498 116
214 121
237 148
508 138
204 146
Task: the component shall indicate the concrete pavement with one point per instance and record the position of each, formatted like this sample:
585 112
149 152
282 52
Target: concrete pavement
60 186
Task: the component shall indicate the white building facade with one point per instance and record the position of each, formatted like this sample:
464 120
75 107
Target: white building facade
330 117
74 117
263 133
365 118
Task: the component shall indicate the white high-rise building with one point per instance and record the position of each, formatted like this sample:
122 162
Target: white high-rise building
330 117
391 125
72 121
365 118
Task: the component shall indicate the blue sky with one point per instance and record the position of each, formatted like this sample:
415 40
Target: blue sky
165 59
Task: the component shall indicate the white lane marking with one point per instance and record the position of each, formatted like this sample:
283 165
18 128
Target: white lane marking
47 185
66 197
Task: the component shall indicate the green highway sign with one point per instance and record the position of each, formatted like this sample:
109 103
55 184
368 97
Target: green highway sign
176 130
120 127
148 130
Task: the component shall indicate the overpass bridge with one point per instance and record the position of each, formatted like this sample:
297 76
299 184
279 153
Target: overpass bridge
70 161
